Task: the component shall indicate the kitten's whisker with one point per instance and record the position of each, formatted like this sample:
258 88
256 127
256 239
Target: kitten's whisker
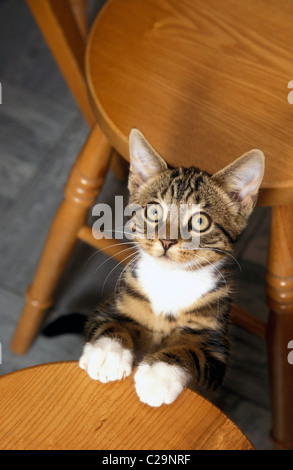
103 251
115 267
225 253
113 257
212 264
132 261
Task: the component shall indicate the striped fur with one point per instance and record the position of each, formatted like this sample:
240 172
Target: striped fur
171 312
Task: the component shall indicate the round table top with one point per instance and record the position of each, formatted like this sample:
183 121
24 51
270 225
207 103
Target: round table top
57 407
204 81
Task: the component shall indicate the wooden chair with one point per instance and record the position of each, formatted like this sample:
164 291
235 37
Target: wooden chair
55 407
205 82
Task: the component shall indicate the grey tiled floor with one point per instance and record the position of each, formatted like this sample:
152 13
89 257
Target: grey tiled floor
41 132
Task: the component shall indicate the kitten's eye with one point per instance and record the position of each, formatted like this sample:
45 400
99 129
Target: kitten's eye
154 212
200 222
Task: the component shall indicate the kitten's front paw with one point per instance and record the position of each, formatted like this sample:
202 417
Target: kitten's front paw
106 360
159 383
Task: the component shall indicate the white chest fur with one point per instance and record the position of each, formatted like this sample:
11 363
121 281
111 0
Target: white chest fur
170 289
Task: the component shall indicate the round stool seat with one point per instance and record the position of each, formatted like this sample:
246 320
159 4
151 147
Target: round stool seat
204 81
57 407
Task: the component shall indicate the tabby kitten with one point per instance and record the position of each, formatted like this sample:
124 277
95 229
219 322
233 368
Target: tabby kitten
171 314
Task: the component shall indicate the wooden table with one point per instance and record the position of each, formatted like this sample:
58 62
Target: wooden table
57 407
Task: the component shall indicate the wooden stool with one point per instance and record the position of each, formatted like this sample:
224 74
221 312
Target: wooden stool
57 407
205 81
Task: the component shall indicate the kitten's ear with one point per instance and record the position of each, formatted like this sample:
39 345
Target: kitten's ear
242 178
145 162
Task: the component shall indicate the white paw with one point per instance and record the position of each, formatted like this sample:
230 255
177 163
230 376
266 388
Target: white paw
106 360
159 383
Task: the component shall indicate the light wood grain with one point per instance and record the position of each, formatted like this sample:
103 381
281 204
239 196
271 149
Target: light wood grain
56 406
205 82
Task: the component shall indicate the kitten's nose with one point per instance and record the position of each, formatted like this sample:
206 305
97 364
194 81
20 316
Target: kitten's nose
166 244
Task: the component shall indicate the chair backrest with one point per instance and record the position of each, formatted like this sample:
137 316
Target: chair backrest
63 24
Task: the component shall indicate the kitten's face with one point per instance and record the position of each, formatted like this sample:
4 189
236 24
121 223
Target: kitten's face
203 209
190 218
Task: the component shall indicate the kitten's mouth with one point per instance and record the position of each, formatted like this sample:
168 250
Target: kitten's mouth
166 258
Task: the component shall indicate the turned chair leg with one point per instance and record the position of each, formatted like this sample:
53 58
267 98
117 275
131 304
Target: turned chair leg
83 185
280 324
